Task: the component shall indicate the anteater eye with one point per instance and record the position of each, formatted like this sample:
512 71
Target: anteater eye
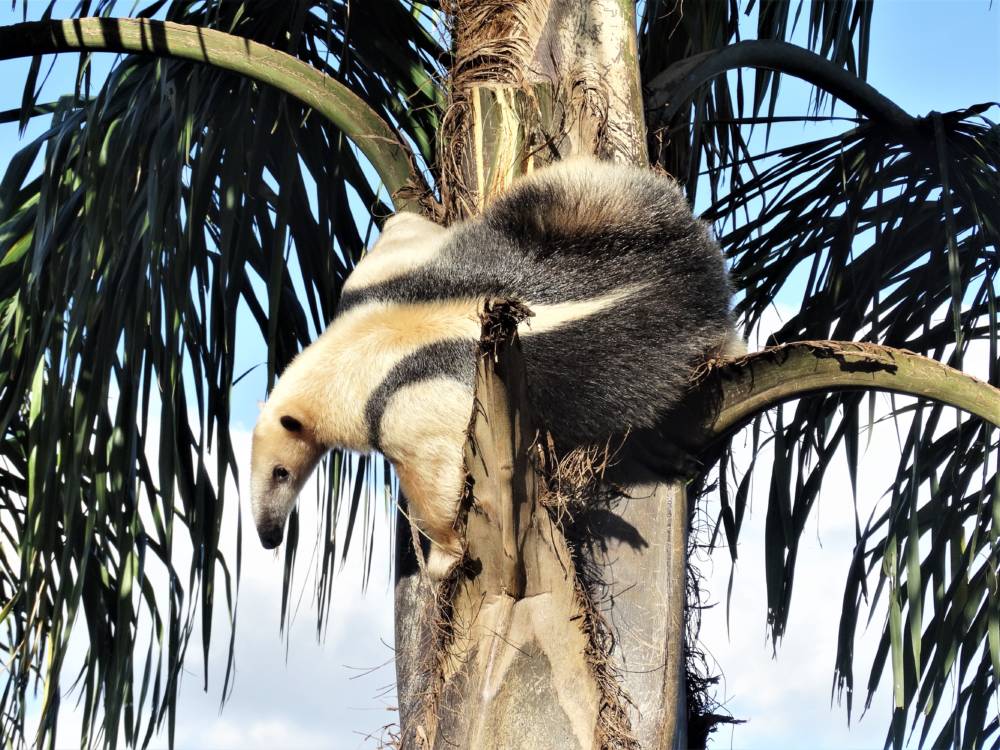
280 473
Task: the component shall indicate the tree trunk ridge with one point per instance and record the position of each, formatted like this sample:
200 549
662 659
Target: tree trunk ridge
552 637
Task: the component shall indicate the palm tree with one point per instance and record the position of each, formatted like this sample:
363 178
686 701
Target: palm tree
173 199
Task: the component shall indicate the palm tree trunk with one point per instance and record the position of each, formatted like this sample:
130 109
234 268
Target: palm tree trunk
520 655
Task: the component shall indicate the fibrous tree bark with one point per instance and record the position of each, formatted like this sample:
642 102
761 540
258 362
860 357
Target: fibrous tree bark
521 650
572 634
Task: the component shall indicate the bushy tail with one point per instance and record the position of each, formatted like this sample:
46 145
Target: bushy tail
572 203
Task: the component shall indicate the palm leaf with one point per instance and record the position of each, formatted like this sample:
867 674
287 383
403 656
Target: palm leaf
144 188
710 133
890 242
153 244
887 235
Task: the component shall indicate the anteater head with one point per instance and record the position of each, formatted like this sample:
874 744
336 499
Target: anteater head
284 453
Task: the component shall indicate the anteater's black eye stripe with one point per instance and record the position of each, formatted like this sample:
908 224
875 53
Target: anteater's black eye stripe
280 473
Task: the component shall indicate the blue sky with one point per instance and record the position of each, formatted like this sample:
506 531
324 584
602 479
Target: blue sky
926 55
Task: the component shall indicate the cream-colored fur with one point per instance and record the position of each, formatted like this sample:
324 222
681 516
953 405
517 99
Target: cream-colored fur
273 445
423 427
548 318
343 366
408 241
328 385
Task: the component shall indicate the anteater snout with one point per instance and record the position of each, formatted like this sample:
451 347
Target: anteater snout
270 535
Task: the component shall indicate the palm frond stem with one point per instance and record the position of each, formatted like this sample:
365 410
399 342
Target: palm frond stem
674 88
388 154
777 374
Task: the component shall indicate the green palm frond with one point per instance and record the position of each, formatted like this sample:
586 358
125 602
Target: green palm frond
711 135
886 234
169 224
169 216
890 242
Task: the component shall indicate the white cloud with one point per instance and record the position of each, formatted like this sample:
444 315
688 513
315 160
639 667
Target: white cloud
785 700
294 692
299 693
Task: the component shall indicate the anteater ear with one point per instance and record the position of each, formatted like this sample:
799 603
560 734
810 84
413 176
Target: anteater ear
291 423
